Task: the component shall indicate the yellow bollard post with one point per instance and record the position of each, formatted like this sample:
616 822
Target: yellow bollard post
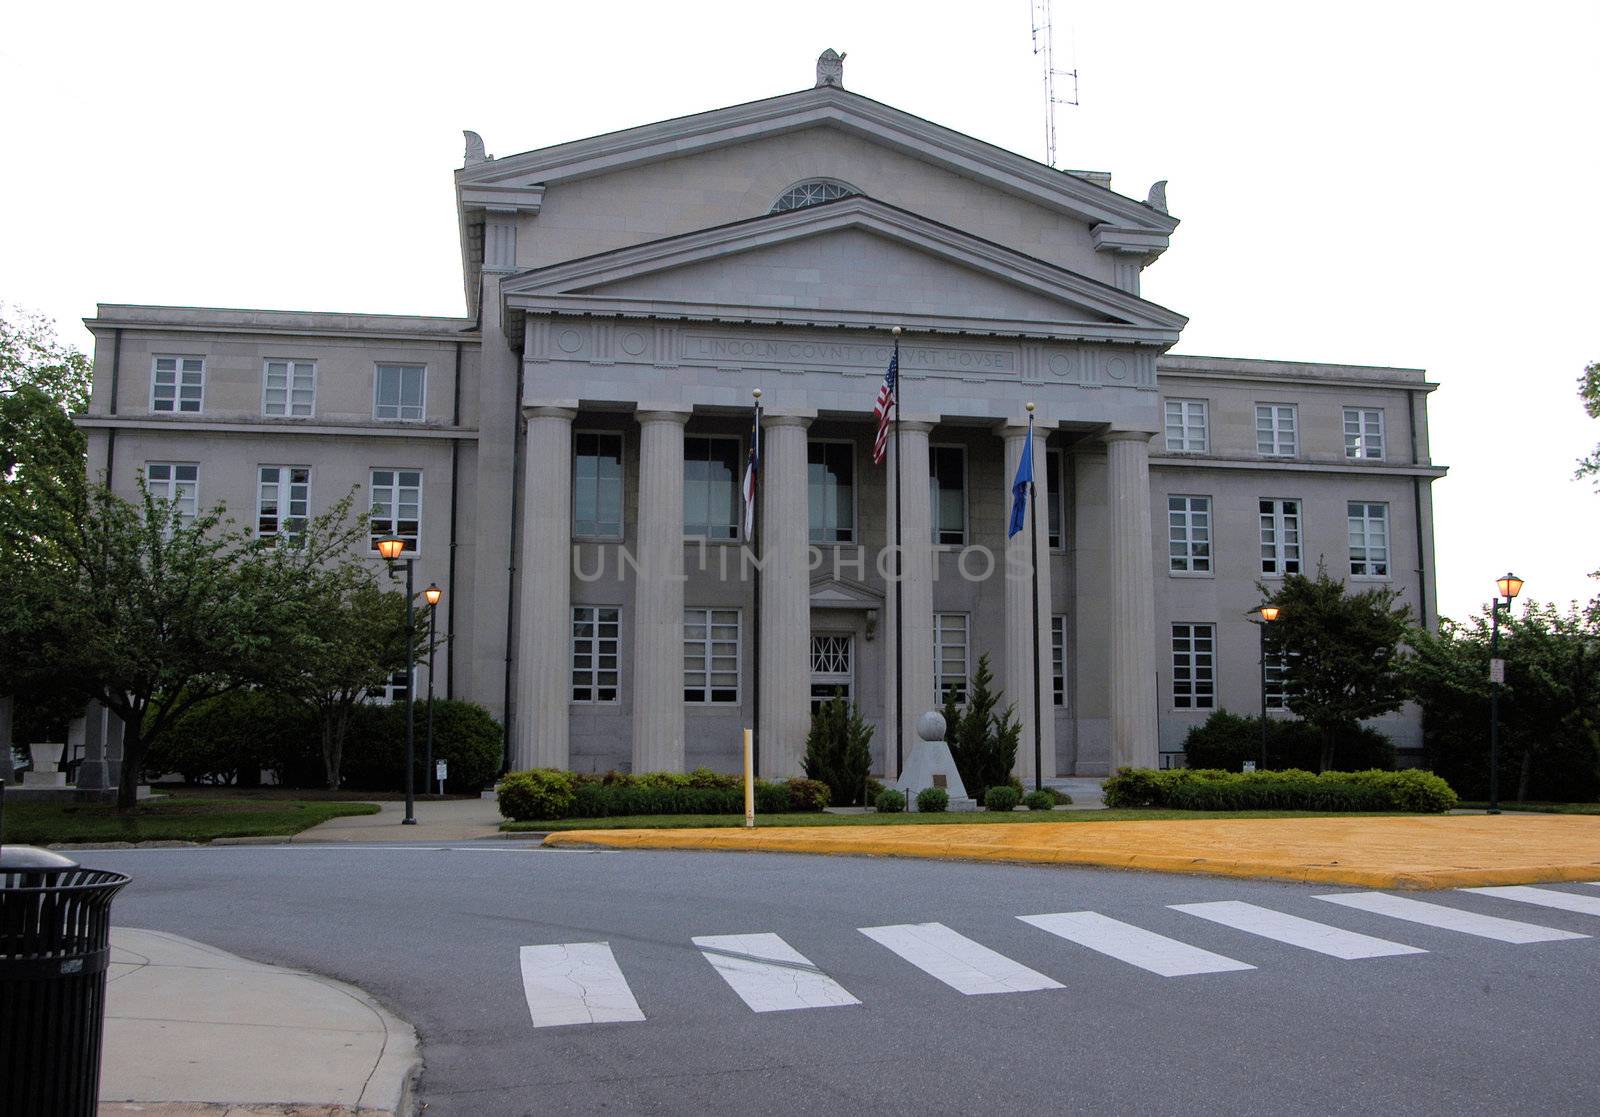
749 780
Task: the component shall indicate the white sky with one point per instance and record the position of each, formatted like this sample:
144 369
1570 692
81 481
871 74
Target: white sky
1400 183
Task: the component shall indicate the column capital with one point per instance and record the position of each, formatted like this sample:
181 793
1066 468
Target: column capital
914 426
564 410
1128 436
801 421
662 415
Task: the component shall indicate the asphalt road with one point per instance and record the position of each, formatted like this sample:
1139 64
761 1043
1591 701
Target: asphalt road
1464 1024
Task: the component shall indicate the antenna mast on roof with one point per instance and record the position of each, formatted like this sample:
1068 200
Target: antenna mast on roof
1044 44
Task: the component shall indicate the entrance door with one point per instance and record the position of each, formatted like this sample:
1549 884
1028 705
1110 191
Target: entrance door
832 667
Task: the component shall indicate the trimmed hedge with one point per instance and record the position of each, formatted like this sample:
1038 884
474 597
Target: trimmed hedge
1039 801
1001 797
1226 740
549 793
891 801
1210 789
932 800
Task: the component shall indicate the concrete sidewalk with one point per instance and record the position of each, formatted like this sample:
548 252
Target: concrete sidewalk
193 1030
1454 851
439 820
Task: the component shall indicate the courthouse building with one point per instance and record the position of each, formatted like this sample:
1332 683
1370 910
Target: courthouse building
566 460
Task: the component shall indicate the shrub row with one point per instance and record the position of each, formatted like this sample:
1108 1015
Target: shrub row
549 793
1227 740
1210 789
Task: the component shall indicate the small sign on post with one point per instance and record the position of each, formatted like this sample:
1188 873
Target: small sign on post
441 772
1497 671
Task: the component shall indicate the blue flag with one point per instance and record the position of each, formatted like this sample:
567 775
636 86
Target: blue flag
1020 487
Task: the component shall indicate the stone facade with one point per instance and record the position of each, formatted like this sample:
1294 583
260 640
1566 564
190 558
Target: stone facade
630 291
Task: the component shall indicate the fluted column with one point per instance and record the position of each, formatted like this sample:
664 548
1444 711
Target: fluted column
1133 635
916 534
658 596
1018 675
544 645
785 596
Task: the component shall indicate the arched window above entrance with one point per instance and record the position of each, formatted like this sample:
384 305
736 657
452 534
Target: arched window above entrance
812 192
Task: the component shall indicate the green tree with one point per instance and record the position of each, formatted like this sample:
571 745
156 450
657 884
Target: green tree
982 742
1589 392
839 751
1344 659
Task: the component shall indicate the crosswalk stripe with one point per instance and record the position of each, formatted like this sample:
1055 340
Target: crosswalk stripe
1135 945
966 966
1450 919
770 975
576 983
1295 931
1544 897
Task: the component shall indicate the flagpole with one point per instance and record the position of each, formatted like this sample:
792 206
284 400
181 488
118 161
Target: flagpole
1033 566
755 612
899 596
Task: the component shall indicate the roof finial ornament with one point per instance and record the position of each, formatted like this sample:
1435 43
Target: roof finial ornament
1157 198
475 152
830 69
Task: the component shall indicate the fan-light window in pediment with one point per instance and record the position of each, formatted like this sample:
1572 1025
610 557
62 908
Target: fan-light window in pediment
811 193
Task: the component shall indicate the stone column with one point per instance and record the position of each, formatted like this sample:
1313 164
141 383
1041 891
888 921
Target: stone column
658 596
544 643
785 596
1017 673
916 535
1133 626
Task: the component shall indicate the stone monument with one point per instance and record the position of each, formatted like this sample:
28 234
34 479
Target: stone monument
931 765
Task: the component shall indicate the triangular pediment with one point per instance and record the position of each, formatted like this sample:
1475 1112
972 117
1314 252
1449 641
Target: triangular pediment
841 593
847 262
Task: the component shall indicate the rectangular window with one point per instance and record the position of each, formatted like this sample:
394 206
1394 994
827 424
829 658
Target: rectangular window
597 484
1058 660
1280 537
1186 426
712 502
1363 433
711 655
283 501
1052 503
178 384
595 629
1274 682
1277 430
395 690
947 482
830 479
396 506
290 388
398 392
950 657
1189 534
1194 666
177 483
1369 539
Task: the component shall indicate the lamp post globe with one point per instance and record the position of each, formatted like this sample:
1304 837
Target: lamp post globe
1269 613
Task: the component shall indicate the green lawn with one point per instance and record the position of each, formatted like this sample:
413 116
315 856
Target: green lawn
684 821
193 820
1539 808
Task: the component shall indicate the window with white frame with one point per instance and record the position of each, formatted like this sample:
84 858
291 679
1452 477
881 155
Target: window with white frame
811 193
711 499
1275 682
711 655
175 483
830 482
1058 660
1189 534
1280 537
1187 432
597 484
1194 666
947 495
177 384
1363 433
1052 502
283 501
1369 539
832 668
1277 430
394 690
950 657
289 388
595 630
396 506
398 392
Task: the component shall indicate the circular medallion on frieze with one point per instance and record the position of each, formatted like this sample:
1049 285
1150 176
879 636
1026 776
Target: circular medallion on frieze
1061 364
570 341
1117 368
633 343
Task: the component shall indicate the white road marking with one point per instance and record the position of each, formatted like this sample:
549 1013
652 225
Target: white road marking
1450 919
576 983
1544 897
1295 931
770 975
1134 945
966 966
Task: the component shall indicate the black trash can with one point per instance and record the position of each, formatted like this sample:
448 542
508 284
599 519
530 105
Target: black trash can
55 926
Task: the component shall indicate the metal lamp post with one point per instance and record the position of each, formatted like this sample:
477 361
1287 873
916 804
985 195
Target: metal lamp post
1269 613
391 549
1508 588
431 595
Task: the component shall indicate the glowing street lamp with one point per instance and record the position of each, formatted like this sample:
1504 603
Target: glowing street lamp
431 595
1269 613
1508 588
391 548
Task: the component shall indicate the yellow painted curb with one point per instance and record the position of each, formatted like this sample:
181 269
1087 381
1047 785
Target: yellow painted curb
1455 851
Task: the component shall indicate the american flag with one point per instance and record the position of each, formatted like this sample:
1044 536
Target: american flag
888 399
751 468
